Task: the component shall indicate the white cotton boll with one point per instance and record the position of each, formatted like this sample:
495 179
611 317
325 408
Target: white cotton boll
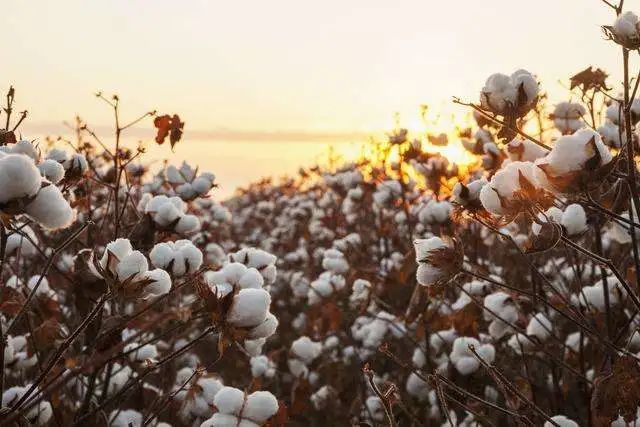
416 387
147 351
125 418
174 175
186 191
161 255
215 254
500 91
523 150
504 184
260 366
78 163
320 398
27 148
51 170
251 279
260 406
335 262
229 400
463 358
210 387
188 224
191 254
132 265
574 219
305 349
611 134
265 329
567 117
202 185
43 287
297 368
58 155
120 248
569 154
166 214
50 209
562 421
249 308
19 177
540 327
627 29
552 214
506 313
19 241
161 283
419 359
360 291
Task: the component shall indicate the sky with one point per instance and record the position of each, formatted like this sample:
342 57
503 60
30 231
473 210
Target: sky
287 72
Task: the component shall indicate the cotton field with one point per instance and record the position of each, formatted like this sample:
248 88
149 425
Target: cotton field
401 289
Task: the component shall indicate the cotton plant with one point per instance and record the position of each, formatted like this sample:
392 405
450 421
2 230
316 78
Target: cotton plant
40 414
25 192
238 408
575 162
567 117
505 95
302 353
197 396
169 213
187 182
127 270
178 258
246 314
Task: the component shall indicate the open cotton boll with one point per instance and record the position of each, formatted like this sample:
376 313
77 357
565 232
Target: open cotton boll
261 366
161 283
305 349
334 261
120 248
19 177
78 163
626 30
567 117
540 327
504 184
501 92
125 418
147 351
51 170
611 134
50 209
523 150
41 282
249 308
501 309
25 147
229 400
416 387
552 214
437 260
18 241
562 421
188 224
133 265
570 155
265 329
574 219
361 290
463 358
469 193
260 406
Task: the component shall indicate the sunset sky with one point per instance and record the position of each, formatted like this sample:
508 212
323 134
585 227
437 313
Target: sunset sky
284 71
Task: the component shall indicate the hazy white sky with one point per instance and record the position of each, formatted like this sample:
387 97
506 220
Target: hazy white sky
331 65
